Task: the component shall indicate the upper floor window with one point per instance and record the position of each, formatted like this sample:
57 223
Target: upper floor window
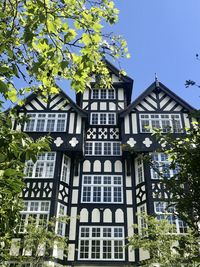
103 148
46 122
101 243
139 170
65 173
60 224
103 94
103 118
34 212
166 122
43 167
164 211
161 166
102 189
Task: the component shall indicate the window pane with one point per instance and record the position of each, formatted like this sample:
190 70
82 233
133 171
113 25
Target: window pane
40 125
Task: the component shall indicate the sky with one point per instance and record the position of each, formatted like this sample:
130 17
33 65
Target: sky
163 37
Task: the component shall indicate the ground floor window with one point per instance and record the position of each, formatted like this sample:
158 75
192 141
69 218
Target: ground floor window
101 243
165 211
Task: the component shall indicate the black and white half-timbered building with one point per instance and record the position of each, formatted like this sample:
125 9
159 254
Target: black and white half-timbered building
89 177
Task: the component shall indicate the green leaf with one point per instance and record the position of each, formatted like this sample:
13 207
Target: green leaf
3 87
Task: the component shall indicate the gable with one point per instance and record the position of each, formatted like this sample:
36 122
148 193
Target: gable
158 98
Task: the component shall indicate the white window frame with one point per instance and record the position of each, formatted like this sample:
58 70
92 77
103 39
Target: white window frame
65 172
42 160
141 221
139 170
107 119
35 209
115 186
101 238
110 152
61 225
159 119
163 212
106 92
35 117
162 163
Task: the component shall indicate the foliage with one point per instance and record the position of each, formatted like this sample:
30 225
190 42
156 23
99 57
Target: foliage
43 40
164 247
184 186
38 242
15 147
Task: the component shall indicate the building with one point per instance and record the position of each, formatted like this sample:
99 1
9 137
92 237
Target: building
88 175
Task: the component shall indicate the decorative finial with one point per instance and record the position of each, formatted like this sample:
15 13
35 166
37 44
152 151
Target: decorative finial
156 80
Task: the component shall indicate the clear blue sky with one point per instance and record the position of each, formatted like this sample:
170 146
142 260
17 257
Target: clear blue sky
163 36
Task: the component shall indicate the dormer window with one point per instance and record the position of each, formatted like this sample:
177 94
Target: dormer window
102 118
103 94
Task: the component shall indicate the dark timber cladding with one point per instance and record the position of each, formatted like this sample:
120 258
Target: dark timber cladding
89 177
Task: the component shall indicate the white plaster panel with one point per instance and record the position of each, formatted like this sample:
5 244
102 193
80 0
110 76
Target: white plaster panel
161 94
103 106
186 120
28 107
146 105
170 106
151 101
79 124
58 253
128 181
139 108
42 101
121 105
60 105
134 123
131 254
127 124
120 94
36 105
118 166
84 104
71 122
144 254
86 94
72 228
112 106
97 166
178 108
107 216
115 78
86 166
129 198
76 181
95 215
84 215
94 106
71 252
75 196
53 102
15 246
130 221
107 166
164 101
119 216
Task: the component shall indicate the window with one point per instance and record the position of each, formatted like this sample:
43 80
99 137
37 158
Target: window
34 211
60 224
164 211
166 122
141 219
139 170
102 189
43 122
101 243
103 118
43 167
103 148
161 165
103 94
65 169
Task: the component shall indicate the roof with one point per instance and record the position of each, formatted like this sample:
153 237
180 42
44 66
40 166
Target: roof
157 86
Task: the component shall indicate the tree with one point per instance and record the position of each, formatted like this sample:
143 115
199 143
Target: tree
42 40
184 186
165 248
15 147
